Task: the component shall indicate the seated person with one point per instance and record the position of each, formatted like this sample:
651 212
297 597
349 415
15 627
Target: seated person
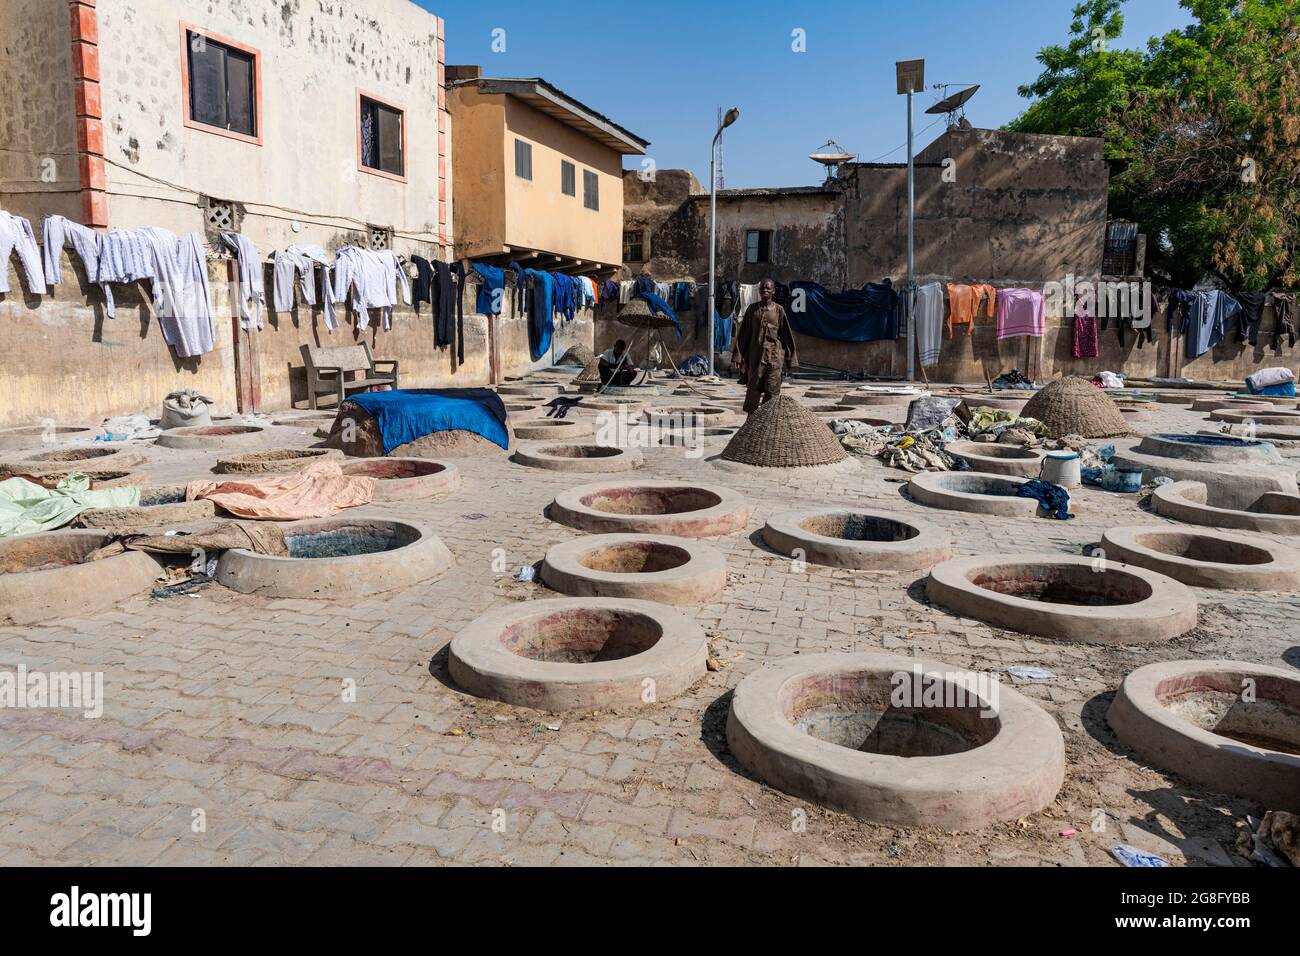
609 360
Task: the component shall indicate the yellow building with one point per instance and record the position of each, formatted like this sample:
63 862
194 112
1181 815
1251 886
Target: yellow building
537 176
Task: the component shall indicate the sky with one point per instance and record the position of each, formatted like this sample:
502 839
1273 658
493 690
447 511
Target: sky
662 69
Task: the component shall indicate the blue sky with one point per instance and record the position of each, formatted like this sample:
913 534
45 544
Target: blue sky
662 69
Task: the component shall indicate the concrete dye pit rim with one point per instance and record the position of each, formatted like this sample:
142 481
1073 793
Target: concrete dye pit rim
357 557
84 453
697 437
1206 559
1043 594
1214 404
995 459
586 458
197 437
99 477
45 576
976 493
1240 416
553 429
271 461
688 416
972 768
173 511
405 479
647 567
1191 719
831 409
1187 501
674 508
859 539
604 653
519 412
35 436
1226 449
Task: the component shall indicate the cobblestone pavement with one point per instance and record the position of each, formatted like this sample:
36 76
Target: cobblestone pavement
232 705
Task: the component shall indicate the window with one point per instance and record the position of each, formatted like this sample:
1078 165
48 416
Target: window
634 246
523 159
758 245
382 137
221 85
568 178
590 190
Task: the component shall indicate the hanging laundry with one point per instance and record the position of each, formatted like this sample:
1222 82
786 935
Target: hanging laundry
1252 313
297 264
58 232
929 322
252 290
422 289
1020 312
521 287
1206 319
367 280
492 290
1285 308
541 313
458 272
1086 343
123 258
963 303
868 314
16 235
181 294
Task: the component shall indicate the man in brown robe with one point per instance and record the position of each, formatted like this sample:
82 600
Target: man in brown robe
766 346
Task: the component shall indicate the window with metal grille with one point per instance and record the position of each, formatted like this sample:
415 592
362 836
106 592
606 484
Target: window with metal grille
381 237
568 178
523 159
634 246
381 138
219 215
590 190
758 245
223 85
1119 257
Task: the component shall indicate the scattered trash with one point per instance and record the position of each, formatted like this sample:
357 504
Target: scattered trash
1273 840
526 573
553 726
713 664
1132 856
1070 832
1023 672
474 517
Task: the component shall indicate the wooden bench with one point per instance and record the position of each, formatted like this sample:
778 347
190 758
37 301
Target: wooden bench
328 370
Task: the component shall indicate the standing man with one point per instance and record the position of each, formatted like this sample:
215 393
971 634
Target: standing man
766 346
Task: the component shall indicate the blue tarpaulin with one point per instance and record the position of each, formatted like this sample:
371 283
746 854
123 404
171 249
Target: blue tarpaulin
854 315
403 415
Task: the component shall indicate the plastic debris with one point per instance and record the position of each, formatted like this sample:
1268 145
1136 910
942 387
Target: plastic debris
1132 856
1025 672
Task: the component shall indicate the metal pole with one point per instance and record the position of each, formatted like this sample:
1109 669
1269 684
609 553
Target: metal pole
713 238
911 246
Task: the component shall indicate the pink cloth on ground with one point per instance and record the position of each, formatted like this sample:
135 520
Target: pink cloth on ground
1020 312
318 491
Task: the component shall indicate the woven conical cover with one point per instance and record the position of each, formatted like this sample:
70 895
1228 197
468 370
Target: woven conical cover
1074 406
637 313
784 434
589 374
577 355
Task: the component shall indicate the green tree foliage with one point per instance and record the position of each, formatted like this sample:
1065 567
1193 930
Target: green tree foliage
1202 128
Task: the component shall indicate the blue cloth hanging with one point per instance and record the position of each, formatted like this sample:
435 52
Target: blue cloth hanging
868 314
492 290
541 313
659 307
721 333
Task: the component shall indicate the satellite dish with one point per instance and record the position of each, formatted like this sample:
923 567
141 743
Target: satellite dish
831 154
952 105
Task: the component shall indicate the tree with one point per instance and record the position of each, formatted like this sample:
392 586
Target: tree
1202 128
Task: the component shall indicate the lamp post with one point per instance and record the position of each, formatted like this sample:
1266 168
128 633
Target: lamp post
911 79
733 114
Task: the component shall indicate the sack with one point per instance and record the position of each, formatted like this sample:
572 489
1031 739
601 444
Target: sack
184 408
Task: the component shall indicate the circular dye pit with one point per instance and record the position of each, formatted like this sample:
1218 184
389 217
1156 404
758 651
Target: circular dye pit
519 411
51 474
49 575
896 740
696 437
1189 501
1209 448
673 418
32 436
1081 599
1207 559
994 459
405 479
1265 416
270 462
211 436
652 507
160 507
647 567
338 558
862 540
552 429
92 454
974 493
579 654
1230 726
583 458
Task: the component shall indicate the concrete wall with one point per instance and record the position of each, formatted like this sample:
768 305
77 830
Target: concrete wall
64 360
38 129
500 209
315 55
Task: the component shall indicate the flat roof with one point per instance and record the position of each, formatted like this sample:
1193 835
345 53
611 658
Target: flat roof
539 94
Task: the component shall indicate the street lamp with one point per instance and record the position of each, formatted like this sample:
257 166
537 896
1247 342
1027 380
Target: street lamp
733 114
911 79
